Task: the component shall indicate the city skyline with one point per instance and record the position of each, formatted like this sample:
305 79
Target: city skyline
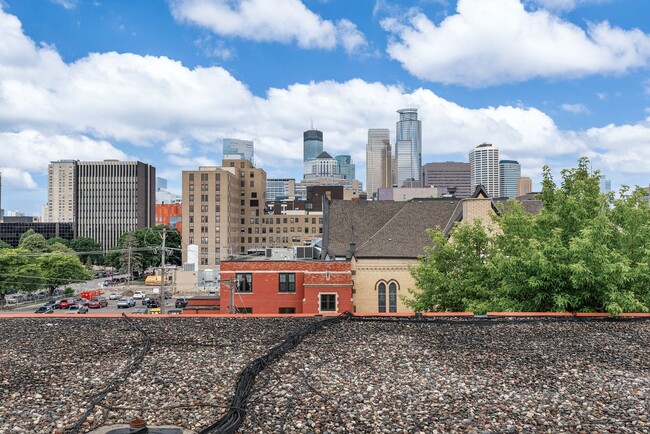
166 82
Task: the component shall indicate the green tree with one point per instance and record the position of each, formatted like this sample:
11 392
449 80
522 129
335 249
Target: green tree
61 269
59 240
84 244
34 243
149 241
4 245
18 271
585 251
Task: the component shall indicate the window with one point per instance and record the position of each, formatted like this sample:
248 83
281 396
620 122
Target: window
328 302
244 282
252 184
248 310
381 297
287 282
392 297
287 310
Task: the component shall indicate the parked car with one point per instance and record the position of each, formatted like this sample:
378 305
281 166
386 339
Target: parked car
44 309
51 303
140 310
67 302
115 296
97 302
145 301
126 302
181 302
77 309
153 302
138 295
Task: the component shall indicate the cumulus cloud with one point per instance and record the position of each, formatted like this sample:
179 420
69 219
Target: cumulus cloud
564 5
176 146
284 21
575 108
488 42
18 178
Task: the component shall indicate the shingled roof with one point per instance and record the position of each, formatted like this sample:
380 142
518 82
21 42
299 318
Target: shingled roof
385 229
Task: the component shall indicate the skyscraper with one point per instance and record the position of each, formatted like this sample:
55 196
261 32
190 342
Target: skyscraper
113 197
61 184
524 185
312 148
236 148
484 166
509 174
448 175
408 146
345 166
605 184
378 161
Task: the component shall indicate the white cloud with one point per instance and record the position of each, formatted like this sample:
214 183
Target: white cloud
176 146
564 5
68 4
575 108
18 178
488 42
284 21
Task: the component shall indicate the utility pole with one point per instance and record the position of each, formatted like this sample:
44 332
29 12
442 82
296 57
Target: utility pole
233 309
162 273
128 278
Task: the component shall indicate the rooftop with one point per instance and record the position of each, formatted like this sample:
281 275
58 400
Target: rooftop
355 375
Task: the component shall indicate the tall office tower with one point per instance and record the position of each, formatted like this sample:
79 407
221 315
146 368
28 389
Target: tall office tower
312 148
408 146
484 166
509 174
345 166
605 184
113 197
324 166
280 189
378 161
222 210
161 183
524 185
453 176
238 149
61 184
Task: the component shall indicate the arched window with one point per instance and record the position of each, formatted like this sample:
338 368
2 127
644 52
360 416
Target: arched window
392 297
381 297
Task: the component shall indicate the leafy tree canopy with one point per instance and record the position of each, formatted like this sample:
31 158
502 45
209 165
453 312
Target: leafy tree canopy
147 238
84 244
585 251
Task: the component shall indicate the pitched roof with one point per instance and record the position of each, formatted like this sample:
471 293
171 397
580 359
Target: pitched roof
385 229
324 154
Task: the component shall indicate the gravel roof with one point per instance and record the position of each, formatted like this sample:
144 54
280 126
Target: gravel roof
452 375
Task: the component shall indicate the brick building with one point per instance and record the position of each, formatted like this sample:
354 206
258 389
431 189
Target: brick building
286 287
169 214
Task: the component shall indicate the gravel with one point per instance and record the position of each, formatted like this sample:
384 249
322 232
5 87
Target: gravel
455 375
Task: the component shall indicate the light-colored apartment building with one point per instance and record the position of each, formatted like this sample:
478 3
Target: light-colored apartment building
61 184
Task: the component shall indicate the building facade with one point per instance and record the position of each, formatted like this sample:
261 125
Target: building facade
61 185
235 149
312 148
378 161
113 197
170 215
408 146
345 166
524 186
484 168
286 287
454 177
10 232
280 189
509 174
324 166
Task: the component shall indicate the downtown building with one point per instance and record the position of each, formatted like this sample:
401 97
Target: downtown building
509 174
454 177
312 147
378 161
235 149
484 168
103 199
408 148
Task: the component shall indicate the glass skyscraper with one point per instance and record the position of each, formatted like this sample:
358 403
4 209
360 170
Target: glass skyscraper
509 174
408 146
378 161
236 147
312 148
345 166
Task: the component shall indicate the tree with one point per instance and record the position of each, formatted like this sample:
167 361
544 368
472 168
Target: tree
149 240
18 272
34 242
84 244
61 269
4 245
585 251
59 240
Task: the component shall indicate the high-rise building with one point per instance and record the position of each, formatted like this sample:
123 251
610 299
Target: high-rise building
524 185
378 161
605 184
324 166
484 166
408 146
238 149
61 184
345 166
312 148
223 209
455 177
113 197
161 183
280 189
509 174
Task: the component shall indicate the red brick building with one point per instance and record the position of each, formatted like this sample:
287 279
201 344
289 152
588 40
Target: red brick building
273 287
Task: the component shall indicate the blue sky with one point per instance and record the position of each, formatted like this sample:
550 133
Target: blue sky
164 82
